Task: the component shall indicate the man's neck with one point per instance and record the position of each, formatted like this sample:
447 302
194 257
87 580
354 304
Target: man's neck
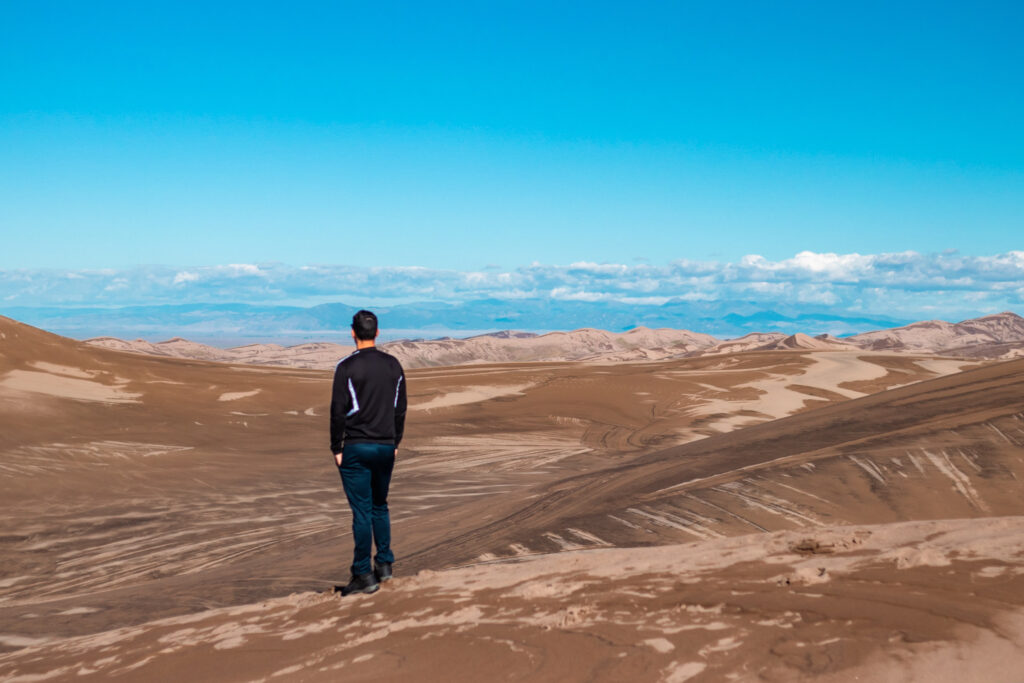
365 344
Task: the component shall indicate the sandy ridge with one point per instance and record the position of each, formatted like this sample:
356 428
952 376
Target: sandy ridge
995 336
701 620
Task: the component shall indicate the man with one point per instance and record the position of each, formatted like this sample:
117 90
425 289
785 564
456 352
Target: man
367 421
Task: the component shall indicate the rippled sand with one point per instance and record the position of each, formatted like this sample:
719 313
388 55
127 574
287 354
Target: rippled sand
757 516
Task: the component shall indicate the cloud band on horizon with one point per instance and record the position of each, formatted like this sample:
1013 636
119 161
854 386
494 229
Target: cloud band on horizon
909 283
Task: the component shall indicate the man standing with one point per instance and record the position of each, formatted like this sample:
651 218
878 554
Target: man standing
367 420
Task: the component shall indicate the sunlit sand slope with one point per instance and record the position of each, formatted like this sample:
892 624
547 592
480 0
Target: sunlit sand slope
918 601
949 447
143 497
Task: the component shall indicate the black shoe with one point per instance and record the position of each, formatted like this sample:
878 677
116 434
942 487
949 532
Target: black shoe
382 571
364 583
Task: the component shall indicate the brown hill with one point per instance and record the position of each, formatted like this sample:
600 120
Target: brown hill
167 517
585 344
997 336
748 342
948 447
802 341
938 336
313 355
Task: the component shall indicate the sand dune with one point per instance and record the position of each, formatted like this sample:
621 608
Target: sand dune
502 347
938 336
952 448
783 515
748 342
783 606
997 336
802 341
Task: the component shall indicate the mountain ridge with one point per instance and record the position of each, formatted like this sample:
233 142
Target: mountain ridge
241 323
999 335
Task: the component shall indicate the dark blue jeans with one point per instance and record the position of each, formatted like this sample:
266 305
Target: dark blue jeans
366 475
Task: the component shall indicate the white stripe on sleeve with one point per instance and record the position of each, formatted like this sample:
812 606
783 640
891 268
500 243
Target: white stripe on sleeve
355 401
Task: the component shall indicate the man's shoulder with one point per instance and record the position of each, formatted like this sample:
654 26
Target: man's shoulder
347 358
391 359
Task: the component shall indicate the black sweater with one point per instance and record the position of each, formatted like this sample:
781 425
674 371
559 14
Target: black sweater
368 400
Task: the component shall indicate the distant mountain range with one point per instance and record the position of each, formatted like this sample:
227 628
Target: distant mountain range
996 336
235 324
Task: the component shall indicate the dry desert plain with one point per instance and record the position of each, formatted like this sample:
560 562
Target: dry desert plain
782 515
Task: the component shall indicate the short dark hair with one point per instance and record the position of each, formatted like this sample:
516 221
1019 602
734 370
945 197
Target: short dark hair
364 324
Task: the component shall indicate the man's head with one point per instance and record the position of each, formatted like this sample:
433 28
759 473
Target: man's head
364 326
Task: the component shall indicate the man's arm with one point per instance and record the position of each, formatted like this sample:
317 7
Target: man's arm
400 407
340 400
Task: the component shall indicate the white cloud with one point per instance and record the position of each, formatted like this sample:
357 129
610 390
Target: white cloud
889 284
816 294
185 276
243 269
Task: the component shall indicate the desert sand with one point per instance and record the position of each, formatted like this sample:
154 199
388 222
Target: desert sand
999 336
801 513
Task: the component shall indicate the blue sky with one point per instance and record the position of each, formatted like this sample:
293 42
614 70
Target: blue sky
464 137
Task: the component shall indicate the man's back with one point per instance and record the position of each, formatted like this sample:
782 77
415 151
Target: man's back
368 399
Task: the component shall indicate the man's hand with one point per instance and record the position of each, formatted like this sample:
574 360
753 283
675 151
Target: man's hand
337 459
396 452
